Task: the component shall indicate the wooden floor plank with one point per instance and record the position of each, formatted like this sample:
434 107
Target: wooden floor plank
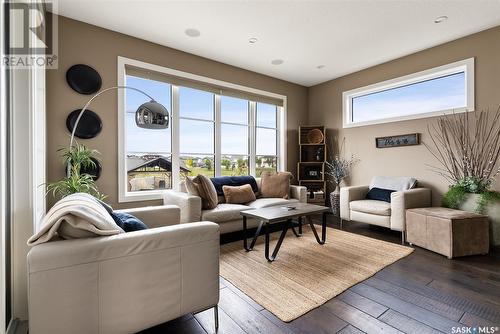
482 309
350 329
237 291
226 324
474 321
248 318
425 302
182 325
458 288
436 321
359 319
406 324
318 321
284 326
362 303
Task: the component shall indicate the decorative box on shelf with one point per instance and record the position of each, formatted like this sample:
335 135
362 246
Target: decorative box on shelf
311 167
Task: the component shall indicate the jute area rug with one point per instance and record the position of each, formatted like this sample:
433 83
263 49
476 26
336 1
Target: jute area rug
305 274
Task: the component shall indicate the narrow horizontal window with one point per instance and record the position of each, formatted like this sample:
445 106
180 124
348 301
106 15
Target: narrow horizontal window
441 90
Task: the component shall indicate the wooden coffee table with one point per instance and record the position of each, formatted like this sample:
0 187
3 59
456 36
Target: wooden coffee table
291 217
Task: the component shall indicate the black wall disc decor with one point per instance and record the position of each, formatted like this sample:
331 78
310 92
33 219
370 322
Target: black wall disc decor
90 124
95 171
83 79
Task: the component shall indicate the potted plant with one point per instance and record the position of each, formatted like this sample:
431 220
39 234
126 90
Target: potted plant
76 159
467 147
337 168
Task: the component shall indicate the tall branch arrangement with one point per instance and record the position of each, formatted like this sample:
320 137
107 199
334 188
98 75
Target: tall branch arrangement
338 167
467 147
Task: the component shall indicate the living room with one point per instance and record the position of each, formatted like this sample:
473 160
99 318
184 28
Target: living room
318 167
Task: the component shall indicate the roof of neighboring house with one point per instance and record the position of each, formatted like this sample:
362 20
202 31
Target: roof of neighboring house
136 162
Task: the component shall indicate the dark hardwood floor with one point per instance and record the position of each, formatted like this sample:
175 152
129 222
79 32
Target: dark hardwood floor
422 293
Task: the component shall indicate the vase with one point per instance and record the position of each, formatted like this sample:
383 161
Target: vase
335 202
492 210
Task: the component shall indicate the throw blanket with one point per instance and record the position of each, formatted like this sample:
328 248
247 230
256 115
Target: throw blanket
75 216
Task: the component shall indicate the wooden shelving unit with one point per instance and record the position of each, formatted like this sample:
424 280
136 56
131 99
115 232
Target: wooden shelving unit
311 166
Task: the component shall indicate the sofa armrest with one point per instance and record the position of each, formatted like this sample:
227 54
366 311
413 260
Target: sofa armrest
298 192
349 194
189 205
408 199
154 276
156 216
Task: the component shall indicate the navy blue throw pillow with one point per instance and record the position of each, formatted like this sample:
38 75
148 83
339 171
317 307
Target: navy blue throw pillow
127 222
233 181
380 194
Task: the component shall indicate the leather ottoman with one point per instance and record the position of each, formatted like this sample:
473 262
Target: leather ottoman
449 232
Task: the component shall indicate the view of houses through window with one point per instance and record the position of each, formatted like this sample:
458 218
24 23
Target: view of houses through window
218 135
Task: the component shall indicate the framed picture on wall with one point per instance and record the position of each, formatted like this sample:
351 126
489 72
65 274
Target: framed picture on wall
398 140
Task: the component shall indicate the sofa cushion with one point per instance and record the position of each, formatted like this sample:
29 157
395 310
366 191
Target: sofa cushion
239 194
233 181
397 183
275 184
206 190
224 212
267 202
380 194
127 222
371 206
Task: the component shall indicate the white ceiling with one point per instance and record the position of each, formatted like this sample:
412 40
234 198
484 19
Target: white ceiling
344 35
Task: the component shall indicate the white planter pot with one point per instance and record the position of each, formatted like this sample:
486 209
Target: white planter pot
493 213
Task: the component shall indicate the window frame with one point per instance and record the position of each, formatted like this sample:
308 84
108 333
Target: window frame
127 196
466 66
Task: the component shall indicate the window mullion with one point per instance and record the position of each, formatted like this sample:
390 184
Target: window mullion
252 136
217 157
176 178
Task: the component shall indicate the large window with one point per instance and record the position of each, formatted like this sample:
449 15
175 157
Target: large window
213 131
441 90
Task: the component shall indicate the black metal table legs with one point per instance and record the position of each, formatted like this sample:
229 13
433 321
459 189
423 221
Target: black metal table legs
289 224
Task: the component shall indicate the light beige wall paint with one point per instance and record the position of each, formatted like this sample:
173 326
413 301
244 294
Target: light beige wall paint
83 43
325 107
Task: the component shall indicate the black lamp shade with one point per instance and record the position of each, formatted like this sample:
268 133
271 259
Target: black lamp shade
152 115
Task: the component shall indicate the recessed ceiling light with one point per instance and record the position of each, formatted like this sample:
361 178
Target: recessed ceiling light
441 19
277 61
253 40
191 32
319 67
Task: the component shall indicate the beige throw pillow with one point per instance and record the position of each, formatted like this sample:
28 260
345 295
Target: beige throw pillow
239 194
203 187
276 185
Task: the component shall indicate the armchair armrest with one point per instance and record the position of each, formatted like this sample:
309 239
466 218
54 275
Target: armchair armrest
154 275
298 192
156 216
408 199
189 205
349 194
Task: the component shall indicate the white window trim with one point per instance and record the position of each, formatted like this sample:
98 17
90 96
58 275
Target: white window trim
123 194
466 66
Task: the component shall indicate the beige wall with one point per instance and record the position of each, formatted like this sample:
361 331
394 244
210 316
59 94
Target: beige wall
99 48
325 107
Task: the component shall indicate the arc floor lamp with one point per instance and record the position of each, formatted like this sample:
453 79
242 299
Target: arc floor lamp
149 115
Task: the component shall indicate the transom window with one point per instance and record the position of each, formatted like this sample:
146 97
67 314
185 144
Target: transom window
213 131
441 90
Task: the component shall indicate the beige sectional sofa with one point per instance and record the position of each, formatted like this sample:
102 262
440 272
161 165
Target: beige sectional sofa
227 215
127 282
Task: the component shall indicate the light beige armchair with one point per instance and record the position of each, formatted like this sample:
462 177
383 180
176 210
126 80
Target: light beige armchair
127 282
354 206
